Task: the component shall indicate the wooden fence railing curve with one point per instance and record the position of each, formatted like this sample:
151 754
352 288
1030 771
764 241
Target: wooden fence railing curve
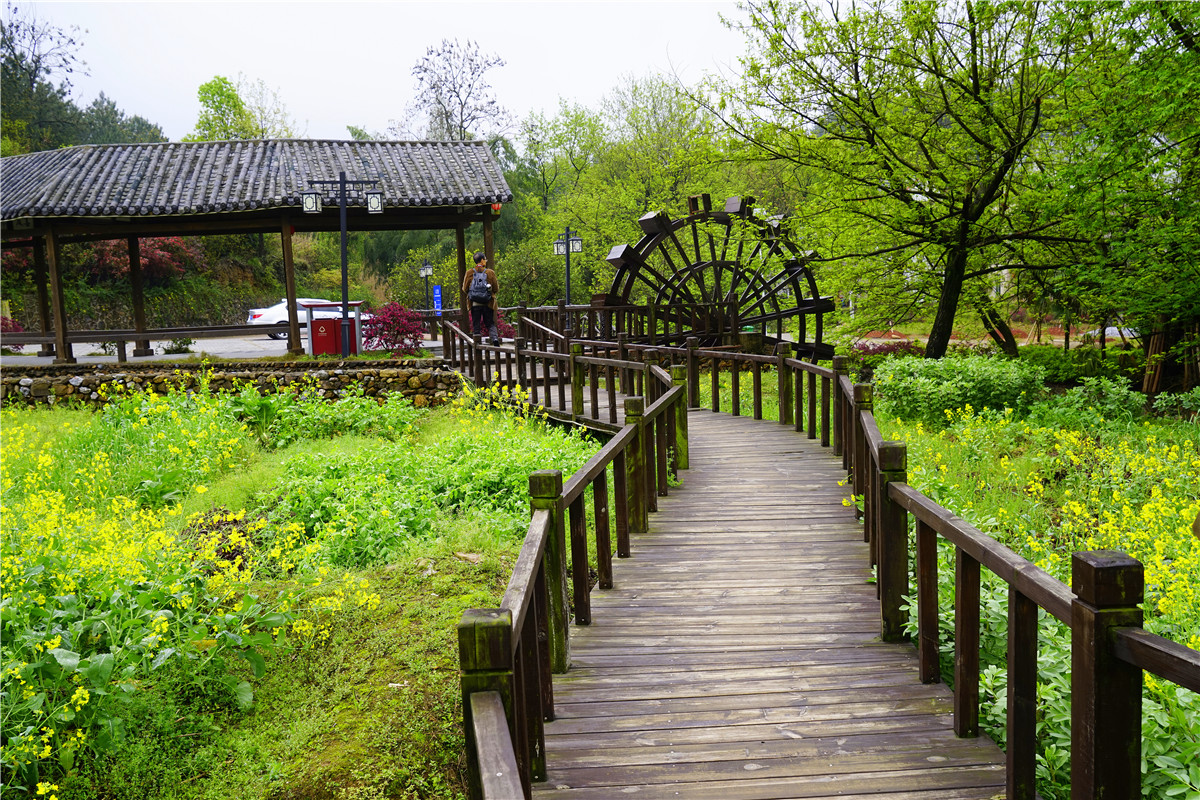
508 655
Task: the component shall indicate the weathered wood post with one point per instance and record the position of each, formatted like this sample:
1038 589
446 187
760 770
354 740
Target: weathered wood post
485 657
892 519
545 492
678 378
652 322
693 372
563 325
519 353
635 467
783 351
839 369
1106 692
623 355
578 373
477 360
864 400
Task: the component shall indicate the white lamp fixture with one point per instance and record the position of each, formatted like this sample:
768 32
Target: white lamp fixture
311 202
576 244
374 202
560 247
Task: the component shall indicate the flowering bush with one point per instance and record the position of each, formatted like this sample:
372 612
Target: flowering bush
394 327
8 325
506 330
162 258
863 355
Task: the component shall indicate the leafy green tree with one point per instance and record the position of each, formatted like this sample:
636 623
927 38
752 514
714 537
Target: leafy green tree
223 113
915 128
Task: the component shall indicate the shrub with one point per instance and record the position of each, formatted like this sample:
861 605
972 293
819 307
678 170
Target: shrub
393 327
866 356
11 326
1071 366
925 389
1185 405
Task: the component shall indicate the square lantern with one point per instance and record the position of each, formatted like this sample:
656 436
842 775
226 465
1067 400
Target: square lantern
576 244
374 202
311 201
560 247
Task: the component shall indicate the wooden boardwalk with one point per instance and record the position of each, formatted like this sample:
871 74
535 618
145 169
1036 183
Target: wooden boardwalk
738 655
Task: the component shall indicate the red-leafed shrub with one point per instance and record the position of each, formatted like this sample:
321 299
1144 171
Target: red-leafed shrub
506 331
11 326
162 258
393 327
863 357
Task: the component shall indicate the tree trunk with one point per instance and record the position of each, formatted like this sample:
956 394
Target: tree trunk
997 327
943 322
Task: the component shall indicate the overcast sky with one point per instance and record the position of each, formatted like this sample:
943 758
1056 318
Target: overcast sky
340 63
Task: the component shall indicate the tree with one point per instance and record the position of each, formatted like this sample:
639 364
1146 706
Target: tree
104 123
37 61
453 97
268 115
223 113
917 128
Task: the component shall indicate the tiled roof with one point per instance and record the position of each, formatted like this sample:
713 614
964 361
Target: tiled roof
175 178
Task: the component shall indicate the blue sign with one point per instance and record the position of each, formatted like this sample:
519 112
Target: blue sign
437 298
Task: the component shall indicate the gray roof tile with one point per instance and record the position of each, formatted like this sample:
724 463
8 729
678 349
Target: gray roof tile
218 177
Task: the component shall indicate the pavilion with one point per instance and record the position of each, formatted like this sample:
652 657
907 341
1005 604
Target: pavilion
131 191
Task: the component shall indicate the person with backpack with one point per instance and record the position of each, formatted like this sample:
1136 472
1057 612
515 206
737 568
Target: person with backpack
480 286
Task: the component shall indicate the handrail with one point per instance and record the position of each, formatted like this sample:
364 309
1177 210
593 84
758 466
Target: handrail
499 774
1110 648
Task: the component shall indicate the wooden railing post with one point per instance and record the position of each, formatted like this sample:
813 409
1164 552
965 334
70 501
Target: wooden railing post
693 372
892 520
678 378
864 400
839 369
545 491
578 373
477 359
783 351
1106 692
635 467
485 657
519 352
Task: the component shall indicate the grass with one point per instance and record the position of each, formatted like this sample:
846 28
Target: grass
353 699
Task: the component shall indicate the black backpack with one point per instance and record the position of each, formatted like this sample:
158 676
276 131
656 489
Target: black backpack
480 290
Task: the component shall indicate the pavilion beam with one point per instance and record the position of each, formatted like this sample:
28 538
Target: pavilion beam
289 282
141 347
62 347
43 292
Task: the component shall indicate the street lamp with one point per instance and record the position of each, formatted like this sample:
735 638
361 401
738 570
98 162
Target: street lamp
311 202
425 271
568 242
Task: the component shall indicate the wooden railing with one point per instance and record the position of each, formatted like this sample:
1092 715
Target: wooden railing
508 654
1110 649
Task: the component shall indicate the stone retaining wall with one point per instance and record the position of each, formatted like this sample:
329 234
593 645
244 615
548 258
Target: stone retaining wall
427 382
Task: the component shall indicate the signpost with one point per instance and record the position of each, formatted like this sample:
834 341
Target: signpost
437 298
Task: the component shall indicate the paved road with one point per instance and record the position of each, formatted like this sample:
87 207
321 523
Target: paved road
240 348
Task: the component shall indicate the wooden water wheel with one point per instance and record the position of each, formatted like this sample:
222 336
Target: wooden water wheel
713 273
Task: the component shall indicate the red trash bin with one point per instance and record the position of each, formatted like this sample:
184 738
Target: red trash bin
326 337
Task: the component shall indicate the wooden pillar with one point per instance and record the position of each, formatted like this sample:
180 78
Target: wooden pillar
460 241
1106 692
58 303
289 282
635 464
545 492
783 351
488 246
141 347
892 519
692 343
679 373
43 292
578 373
485 657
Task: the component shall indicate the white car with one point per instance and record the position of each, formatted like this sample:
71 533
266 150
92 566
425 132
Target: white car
277 315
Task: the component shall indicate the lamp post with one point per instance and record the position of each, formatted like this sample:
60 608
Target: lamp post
312 205
425 271
568 242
